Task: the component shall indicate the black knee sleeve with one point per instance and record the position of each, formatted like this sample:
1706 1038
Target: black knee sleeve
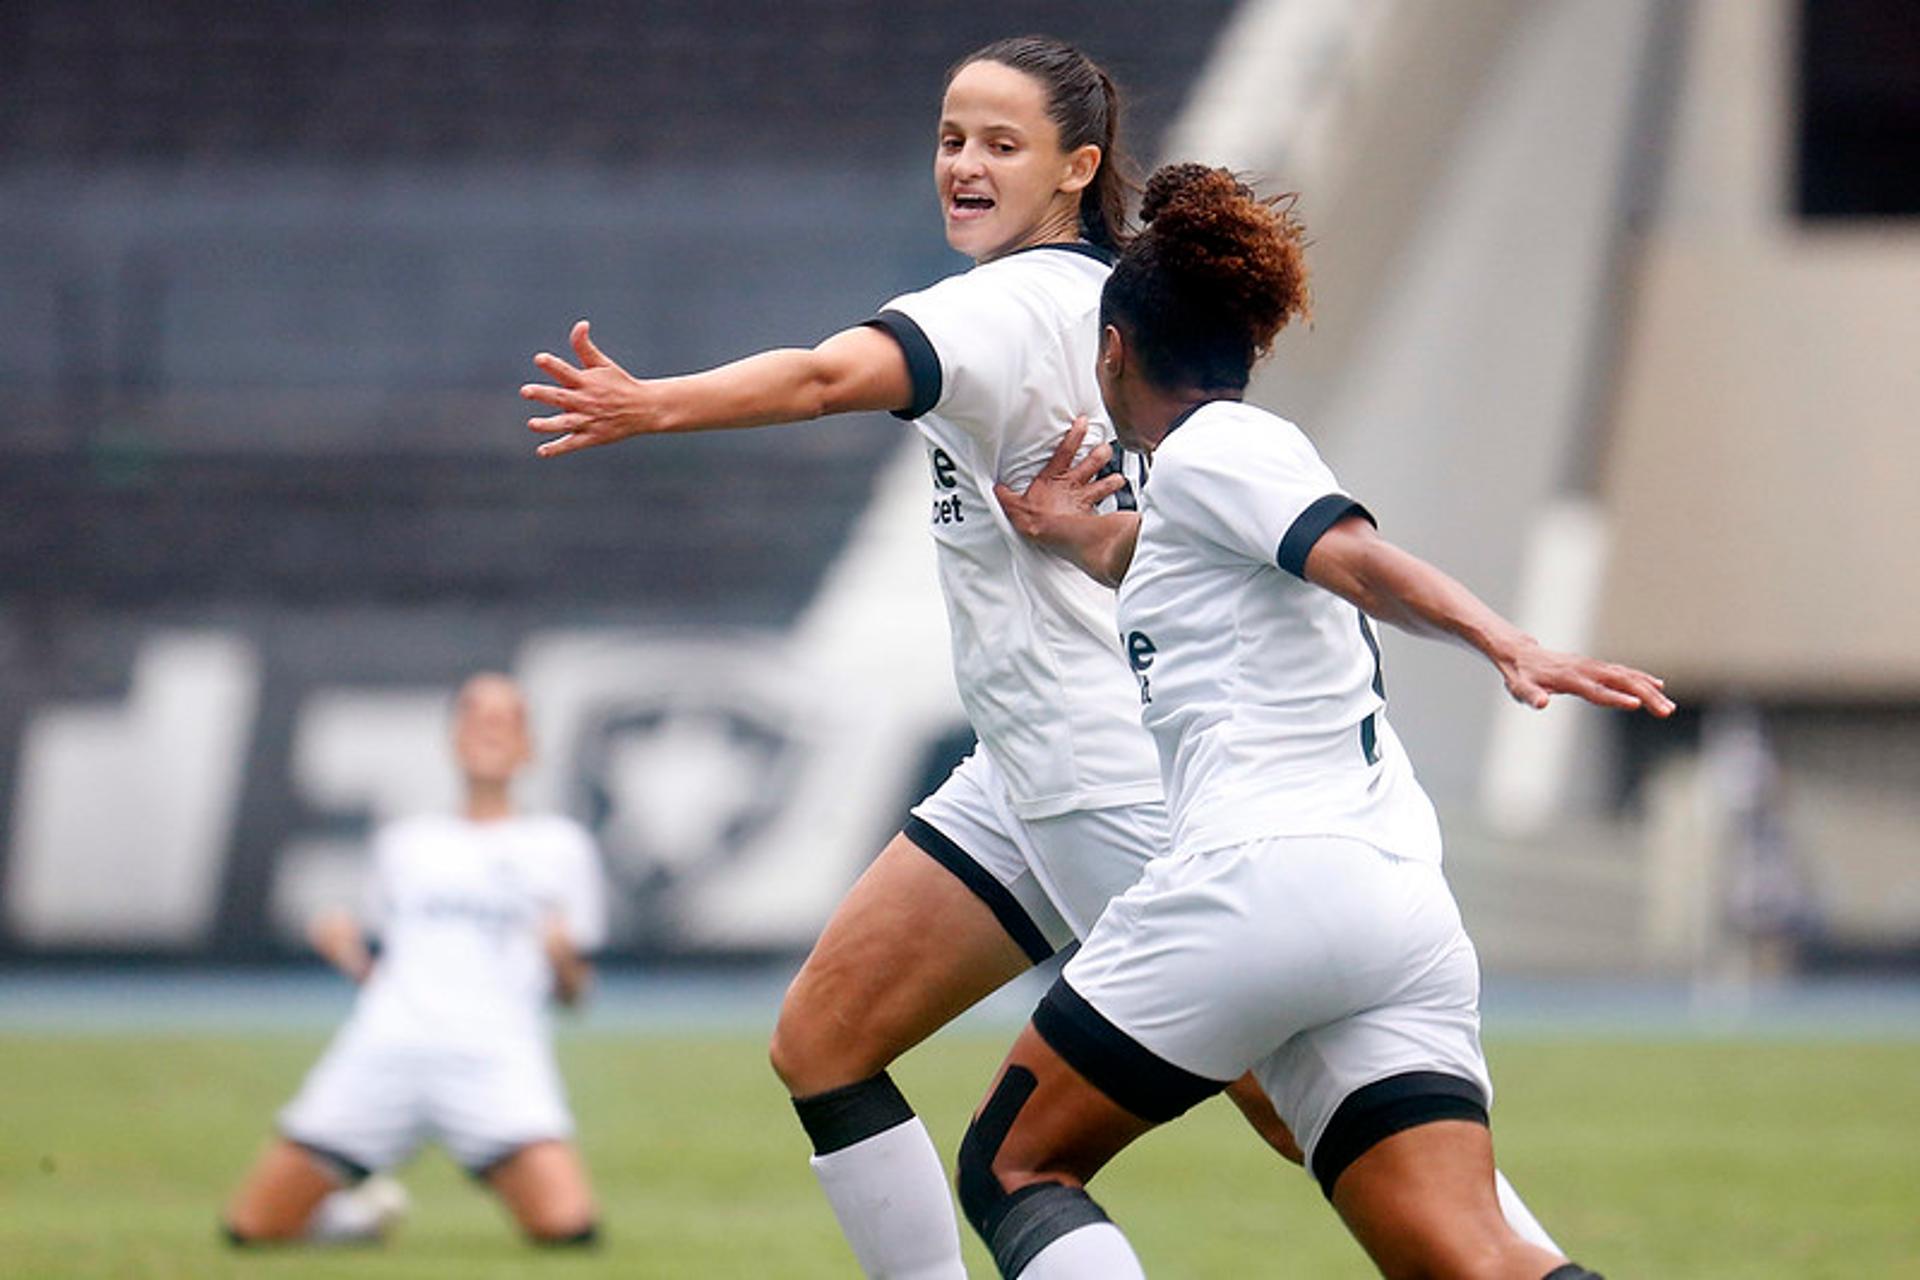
981 1195
852 1113
1015 1226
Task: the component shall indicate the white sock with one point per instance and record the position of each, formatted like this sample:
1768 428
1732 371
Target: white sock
890 1194
343 1218
1094 1252
1520 1218
358 1214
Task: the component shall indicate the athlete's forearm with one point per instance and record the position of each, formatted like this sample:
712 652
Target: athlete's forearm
787 385
572 973
599 402
1104 545
1100 546
1354 562
1405 591
336 935
572 980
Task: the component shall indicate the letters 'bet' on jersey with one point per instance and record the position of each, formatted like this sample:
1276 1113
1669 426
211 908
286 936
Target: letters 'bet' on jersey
1002 362
459 907
1263 692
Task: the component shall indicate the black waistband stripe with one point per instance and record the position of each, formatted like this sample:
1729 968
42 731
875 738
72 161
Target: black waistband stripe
1005 907
1114 1062
1373 1113
343 1167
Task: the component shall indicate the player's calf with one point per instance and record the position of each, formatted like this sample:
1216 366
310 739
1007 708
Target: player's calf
296 1192
544 1186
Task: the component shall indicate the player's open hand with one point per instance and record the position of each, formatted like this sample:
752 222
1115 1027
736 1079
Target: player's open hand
1063 488
1535 674
599 402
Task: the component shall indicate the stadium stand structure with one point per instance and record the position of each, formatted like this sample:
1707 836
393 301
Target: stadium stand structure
273 279
1618 278
294 263
614 84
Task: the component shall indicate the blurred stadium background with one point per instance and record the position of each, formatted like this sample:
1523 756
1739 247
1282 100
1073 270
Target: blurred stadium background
1617 314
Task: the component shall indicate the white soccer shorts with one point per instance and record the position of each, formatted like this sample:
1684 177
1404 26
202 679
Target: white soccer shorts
1054 875
1320 963
372 1105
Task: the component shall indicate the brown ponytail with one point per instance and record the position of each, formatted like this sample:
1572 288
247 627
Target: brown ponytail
1084 104
1210 281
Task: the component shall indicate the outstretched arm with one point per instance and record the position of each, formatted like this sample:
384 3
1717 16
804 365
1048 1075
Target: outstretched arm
337 936
1356 563
1057 510
572 973
599 402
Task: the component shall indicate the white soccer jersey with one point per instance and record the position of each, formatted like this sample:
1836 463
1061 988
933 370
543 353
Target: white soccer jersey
1002 362
459 907
1263 692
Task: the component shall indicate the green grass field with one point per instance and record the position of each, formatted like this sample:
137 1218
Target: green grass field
1660 1159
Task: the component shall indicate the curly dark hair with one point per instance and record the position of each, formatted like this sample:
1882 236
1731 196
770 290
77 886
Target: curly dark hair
1213 276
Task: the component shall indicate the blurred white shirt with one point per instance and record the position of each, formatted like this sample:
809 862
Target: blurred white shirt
460 909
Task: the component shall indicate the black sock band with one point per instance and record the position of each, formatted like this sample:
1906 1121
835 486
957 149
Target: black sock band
1572 1271
585 1238
852 1113
1034 1217
999 899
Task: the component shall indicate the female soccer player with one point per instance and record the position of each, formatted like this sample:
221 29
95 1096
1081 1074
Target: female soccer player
1022 847
1027 840
1300 927
482 917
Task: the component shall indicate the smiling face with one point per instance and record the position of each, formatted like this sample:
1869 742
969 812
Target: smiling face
1004 181
490 737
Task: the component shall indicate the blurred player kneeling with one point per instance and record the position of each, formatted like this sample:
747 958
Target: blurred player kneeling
481 917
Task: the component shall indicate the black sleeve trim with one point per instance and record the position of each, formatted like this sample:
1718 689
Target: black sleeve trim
1129 1073
923 364
1311 525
